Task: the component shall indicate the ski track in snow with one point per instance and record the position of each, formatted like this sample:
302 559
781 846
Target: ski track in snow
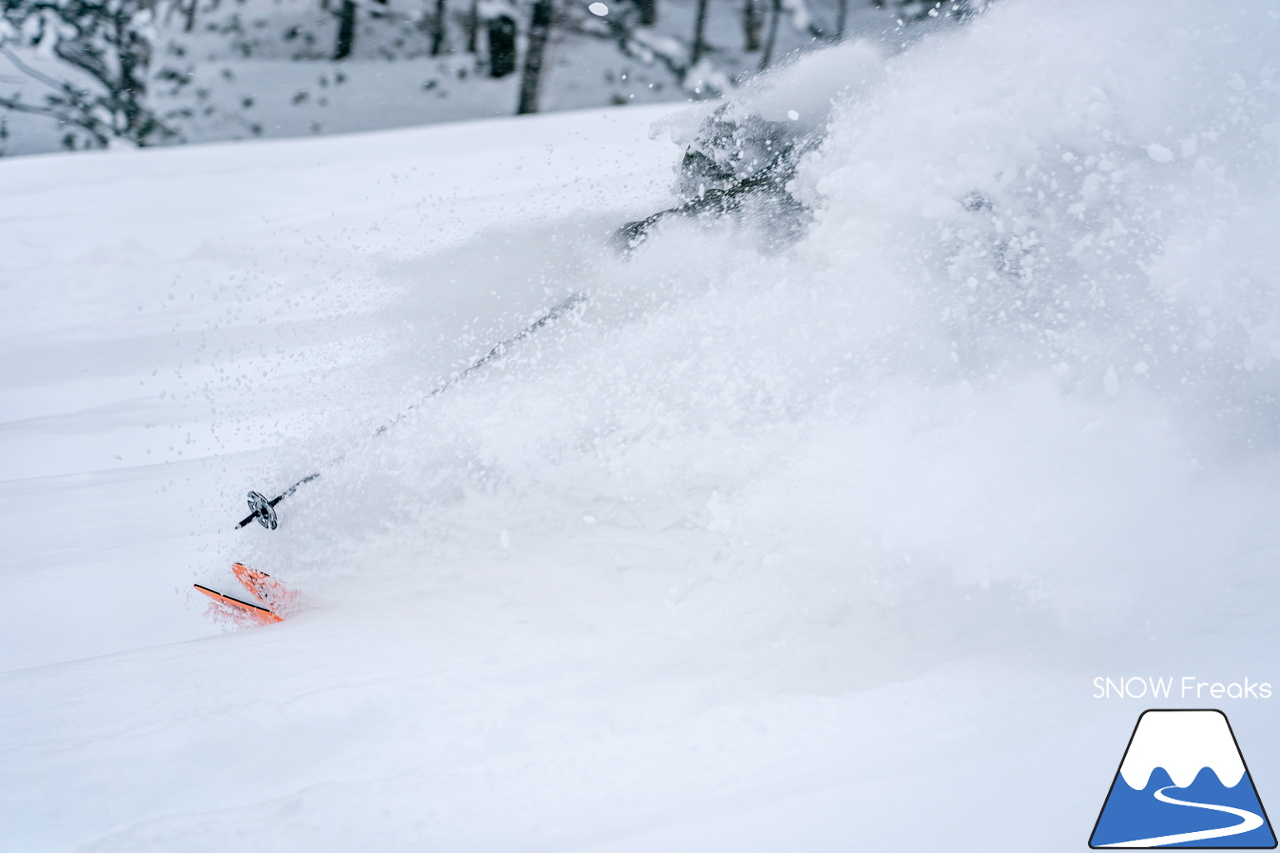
771 545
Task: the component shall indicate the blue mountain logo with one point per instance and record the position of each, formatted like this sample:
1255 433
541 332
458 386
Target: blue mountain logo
1183 783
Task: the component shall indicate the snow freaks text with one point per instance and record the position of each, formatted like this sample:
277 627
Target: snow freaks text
1184 687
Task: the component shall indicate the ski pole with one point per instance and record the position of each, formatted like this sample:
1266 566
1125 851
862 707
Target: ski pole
263 509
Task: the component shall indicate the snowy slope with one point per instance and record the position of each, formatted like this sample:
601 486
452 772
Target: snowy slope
770 547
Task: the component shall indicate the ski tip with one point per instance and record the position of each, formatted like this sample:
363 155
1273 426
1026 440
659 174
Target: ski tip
262 614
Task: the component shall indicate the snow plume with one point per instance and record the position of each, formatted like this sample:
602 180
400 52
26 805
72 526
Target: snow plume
1023 361
1084 243
1103 209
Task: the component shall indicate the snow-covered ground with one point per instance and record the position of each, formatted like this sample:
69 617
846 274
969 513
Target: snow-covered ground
806 546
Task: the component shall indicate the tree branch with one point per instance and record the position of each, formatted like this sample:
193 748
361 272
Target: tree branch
86 62
28 70
20 107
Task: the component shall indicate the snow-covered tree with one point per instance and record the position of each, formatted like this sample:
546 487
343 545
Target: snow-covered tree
94 57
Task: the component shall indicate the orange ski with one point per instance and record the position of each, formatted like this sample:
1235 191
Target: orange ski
262 614
262 586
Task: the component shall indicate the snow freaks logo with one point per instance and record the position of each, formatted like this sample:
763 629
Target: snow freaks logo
1182 783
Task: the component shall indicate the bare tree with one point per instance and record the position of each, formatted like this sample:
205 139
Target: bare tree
531 78
771 40
473 27
346 30
501 34
699 27
438 33
752 23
